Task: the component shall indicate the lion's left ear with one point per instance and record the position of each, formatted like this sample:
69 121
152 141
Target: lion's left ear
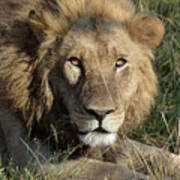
146 30
42 24
38 25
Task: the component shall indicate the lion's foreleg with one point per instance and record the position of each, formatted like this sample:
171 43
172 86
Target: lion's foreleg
14 140
3 149
135 154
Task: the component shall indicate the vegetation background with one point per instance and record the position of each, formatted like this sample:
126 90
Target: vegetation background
162 127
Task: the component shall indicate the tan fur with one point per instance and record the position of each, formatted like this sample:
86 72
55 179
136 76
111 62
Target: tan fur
33 49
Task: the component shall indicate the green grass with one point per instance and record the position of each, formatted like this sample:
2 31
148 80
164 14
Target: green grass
160 128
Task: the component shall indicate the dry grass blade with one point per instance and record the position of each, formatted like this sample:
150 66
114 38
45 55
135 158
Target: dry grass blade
178 137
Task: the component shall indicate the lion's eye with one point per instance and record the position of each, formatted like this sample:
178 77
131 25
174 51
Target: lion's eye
75 61
120 62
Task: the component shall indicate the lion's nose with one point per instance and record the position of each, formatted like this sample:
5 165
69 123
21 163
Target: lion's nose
99 114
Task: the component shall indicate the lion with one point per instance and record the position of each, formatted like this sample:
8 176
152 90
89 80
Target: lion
75 72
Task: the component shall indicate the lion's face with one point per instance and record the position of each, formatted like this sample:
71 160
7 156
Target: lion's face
90 58
99 77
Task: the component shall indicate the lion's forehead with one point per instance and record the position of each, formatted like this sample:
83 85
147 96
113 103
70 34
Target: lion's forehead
101 44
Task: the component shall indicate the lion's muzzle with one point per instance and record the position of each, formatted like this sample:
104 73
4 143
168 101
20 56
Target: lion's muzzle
99 128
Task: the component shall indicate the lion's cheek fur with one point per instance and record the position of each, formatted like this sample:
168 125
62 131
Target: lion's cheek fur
112 124
71 73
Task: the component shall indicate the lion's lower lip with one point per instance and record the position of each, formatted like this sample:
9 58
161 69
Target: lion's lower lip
99 130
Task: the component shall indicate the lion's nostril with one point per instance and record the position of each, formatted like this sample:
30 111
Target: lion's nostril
99 114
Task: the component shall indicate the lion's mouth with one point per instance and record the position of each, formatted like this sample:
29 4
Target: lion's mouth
98 137
98 130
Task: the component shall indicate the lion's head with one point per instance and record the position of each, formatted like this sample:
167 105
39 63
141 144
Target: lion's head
94 58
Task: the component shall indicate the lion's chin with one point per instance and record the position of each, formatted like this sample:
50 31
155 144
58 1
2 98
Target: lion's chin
95 139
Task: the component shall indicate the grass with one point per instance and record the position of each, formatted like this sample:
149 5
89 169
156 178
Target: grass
161 127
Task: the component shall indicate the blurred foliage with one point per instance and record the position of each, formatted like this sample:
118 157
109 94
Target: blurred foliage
161 127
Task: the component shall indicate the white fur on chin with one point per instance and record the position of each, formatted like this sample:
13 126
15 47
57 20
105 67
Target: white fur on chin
95 139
